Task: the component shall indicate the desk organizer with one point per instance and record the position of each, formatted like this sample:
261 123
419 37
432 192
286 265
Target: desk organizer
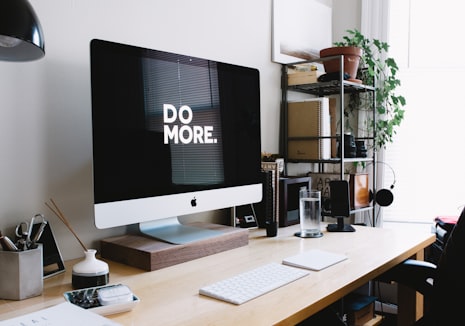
88 299
21 274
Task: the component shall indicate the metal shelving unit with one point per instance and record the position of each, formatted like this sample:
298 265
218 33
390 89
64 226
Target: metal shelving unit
321 89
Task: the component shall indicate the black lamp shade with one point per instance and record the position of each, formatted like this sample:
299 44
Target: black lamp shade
21 37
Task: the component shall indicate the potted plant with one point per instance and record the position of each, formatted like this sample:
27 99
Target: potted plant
352 55
377 69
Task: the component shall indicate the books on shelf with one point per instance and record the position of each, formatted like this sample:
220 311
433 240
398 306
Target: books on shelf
273 167
307 120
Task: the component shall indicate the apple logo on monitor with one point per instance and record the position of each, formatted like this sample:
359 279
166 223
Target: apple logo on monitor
194 202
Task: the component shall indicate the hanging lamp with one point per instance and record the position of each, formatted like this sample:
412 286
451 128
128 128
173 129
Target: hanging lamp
21 37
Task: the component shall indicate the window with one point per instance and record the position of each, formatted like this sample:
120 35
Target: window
427 156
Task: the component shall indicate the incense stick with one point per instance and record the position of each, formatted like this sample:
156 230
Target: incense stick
56 210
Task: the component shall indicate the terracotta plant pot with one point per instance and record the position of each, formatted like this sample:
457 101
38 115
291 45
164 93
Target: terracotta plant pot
351 54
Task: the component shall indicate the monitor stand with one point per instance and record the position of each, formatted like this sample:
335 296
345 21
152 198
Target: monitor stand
172 231
147 253
340 226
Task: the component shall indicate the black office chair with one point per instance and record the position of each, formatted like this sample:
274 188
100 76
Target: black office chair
443 286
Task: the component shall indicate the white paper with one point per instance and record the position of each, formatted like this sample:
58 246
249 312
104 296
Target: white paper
62 314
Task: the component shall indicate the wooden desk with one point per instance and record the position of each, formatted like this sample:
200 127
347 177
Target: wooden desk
170 296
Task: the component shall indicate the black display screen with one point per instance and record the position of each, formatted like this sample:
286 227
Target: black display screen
166 123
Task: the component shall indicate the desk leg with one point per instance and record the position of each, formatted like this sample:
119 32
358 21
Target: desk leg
409 302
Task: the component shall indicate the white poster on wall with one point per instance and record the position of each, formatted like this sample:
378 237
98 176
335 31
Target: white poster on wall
301 28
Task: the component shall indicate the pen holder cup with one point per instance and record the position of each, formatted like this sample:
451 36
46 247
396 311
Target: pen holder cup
21 274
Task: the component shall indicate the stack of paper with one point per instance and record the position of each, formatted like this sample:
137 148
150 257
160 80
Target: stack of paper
62 314
309 129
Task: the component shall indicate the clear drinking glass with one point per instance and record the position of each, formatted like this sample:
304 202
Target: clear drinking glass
309 213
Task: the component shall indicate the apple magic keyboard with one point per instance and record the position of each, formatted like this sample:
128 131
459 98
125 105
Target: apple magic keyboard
254 283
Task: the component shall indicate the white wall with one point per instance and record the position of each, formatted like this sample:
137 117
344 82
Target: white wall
45 123
346 15
45 108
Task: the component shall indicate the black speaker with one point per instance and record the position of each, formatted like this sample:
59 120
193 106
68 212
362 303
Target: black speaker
340 205
339 198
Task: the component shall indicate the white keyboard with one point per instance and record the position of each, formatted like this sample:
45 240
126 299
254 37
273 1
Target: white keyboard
249 285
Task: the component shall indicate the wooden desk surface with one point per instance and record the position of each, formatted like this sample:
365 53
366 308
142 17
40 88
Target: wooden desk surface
170 296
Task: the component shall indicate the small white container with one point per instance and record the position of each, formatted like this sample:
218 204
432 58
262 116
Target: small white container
114 295
90 272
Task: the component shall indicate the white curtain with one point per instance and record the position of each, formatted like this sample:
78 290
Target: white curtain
375 25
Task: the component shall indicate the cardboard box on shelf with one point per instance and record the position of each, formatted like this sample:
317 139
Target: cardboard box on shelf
303 77
361 309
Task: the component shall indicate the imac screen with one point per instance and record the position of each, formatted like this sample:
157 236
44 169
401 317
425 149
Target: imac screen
172 134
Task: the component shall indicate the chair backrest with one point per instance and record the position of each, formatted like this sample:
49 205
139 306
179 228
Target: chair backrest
449 284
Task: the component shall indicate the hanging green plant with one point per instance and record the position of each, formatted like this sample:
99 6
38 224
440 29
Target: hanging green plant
376 68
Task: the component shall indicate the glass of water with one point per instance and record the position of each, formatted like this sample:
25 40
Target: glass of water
309 213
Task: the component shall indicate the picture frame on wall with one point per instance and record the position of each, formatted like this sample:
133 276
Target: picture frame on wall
301 28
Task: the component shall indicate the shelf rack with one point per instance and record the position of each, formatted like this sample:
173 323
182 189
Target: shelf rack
321 89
